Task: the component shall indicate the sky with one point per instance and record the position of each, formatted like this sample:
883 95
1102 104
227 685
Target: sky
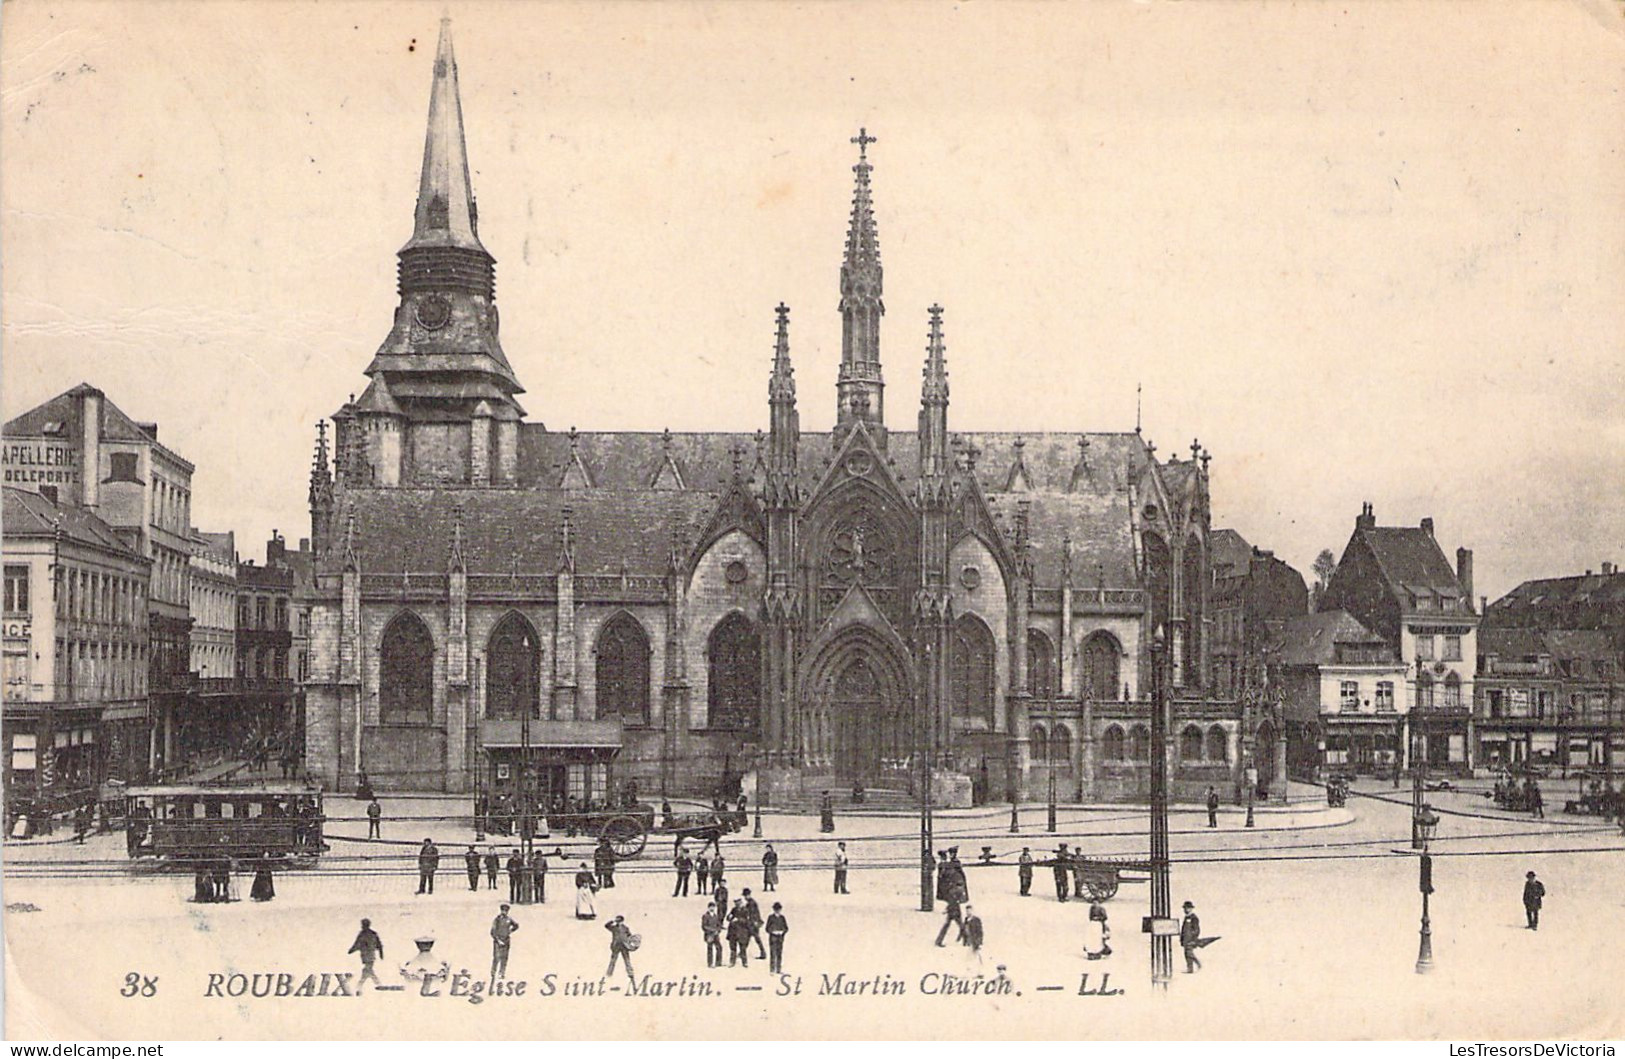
1362 251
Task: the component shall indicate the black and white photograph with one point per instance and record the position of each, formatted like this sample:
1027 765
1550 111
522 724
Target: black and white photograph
774 521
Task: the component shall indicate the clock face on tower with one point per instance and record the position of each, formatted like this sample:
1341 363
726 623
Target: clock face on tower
433 312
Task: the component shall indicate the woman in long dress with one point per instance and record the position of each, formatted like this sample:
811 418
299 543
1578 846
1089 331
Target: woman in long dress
264 889
1096 934
585 885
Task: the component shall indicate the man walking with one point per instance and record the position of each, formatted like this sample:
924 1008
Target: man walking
841 864
770 869
684 865
711 928
471 861
502 928
428 864
1024 871
369 948
493 864
1212 807
1190 938
375 816
777 928
621 944
716 869
1534 892
753 920
1062 870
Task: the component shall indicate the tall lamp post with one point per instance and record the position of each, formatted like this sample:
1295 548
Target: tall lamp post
928 742
1049 767
1427 822
1162 946
1419 759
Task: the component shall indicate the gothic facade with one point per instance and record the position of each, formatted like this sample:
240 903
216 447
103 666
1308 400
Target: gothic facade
800 610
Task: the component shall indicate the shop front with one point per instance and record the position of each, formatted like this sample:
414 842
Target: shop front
562 763
1364 745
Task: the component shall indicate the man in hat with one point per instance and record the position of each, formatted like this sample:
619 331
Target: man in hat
777 928
970 932
502 928
493 864
1190 938
516 875
620 946
428 864
375 816
685 866
471 861
1061 865
770 869
1534 892
1212 807
842 862
753 919
369 948
1024 871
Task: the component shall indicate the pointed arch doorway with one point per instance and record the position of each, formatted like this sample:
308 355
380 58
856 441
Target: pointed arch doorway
858 718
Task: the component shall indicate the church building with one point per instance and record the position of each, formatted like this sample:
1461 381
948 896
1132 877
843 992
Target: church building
789 610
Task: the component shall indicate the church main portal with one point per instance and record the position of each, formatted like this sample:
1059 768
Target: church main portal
860 721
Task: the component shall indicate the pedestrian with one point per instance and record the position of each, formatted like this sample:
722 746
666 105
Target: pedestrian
1077 874
826 814
516 876
1537 804
842 862
263 887
81 824
739 934
603 859
665 815
777 928
702 868
585 886
753 918
1534 892
719 897
971 932
1097 934
949 889
716 869
1190 938
369 948
711 928
471 861
493 864
502 928
1212 807
1024 871
538 876
684 865
1061 867
770 869
956 871
428 864
622 943
375 819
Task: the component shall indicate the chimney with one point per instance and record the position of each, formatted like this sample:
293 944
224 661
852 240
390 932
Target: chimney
90 447
149 429
1608 569
1427 526
1367 518
1464 573
276 549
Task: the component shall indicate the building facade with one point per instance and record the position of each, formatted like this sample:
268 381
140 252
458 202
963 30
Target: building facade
82 451
812 609
1396 582
1551 699
265 713
1253 594
75 614
1346 696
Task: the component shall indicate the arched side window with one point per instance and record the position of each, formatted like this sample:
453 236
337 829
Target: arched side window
1100 657
1039 748
1190 744
513 668
734 675
971 679
1040 665
1113 743
1218 744
406 672
1452 691
1139 743
1061 744
622 671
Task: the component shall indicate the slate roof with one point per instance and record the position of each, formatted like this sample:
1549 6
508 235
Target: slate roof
1581 590
1517 644
28 515
1312 639
63 411
1232 555
1411 560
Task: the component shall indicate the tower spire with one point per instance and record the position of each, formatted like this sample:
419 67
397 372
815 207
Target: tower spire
784 422
446 214
860 389
933 431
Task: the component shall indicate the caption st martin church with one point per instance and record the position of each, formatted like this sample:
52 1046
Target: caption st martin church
784 610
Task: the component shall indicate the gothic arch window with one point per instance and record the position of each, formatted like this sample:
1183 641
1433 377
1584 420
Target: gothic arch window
1139 743
406 672
1061 744
1190 744
972 671
734 668
1218 744
1452 691
513 668
1158 578
1113 742
1040 745
1100 656
1040 665
622 671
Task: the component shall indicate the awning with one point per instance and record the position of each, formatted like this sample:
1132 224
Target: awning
552 734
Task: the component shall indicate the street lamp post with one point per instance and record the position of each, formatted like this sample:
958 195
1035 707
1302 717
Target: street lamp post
1427 822
1049 767
1162 951
928 895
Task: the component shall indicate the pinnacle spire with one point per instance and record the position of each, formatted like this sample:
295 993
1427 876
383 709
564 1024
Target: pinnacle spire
860 390
935 388
781 384
862 238
446 214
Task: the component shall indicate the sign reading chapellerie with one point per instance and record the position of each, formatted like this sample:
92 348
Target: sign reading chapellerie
38 461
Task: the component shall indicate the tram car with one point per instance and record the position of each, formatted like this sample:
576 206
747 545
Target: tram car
184 825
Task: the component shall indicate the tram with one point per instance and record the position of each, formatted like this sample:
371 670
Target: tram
185 825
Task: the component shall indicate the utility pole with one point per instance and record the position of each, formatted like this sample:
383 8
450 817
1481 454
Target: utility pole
1162 946
527 826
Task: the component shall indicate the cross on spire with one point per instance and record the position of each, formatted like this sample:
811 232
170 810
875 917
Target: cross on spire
863 140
